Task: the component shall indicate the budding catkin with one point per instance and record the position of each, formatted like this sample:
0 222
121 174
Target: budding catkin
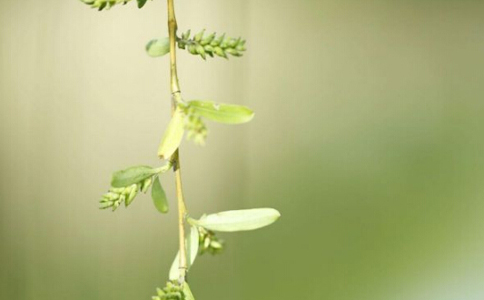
203 45
102 4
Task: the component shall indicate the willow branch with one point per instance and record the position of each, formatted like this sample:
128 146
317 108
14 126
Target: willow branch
175 90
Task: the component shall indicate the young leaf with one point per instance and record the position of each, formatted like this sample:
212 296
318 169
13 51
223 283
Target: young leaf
159 196
173 135
222 113
192 248
193 244
174 269
187 292
131 176
158 47
239 220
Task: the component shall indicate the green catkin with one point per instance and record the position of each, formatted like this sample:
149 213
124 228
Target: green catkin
211 45
102 4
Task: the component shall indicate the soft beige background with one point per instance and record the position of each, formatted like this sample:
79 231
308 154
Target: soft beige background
368 137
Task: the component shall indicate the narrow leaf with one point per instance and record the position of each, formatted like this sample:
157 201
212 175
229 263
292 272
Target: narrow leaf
222 113
159 196
187 292
131 176
175 268
158 47
239 220
192 244
173 135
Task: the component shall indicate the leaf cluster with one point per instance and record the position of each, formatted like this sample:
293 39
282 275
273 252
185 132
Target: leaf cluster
202 237
188 117
127 183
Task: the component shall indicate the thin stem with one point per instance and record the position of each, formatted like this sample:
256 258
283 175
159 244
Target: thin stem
172 27
175 90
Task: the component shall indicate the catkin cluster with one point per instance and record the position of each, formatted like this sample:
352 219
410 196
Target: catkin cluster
102 4
116 196
195 127
172 291
203 45
209 242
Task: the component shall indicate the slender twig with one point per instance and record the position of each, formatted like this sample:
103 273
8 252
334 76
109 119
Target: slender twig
175 90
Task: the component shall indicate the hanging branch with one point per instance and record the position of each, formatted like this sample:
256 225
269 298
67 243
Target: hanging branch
186 117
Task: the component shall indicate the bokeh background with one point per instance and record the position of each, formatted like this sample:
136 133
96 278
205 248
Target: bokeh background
368 137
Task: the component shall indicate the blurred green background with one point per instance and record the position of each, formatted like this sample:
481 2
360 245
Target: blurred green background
368 137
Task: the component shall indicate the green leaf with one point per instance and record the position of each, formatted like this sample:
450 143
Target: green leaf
131 176
222 113
159 196
141 3
158 47
174 269
192 244
173 135
187 292
238 220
